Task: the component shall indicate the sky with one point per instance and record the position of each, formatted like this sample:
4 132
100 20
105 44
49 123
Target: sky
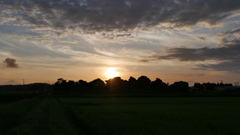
174 40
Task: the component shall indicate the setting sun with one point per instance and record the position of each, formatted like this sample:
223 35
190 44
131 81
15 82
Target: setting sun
111 73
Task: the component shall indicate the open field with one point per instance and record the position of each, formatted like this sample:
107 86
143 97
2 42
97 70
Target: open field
121 116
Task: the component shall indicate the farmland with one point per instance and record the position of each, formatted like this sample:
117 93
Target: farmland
120 116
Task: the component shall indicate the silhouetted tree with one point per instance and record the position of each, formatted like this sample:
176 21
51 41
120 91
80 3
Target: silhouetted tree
158 84
82 85
60 85
209 86
116 84
180 86
132 82
199 87
143 82
97 84
60 80
70 85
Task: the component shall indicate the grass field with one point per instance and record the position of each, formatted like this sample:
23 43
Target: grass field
121 116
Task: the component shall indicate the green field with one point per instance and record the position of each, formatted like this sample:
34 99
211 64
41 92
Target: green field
120 116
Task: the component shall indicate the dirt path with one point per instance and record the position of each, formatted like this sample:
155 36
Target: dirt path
43 122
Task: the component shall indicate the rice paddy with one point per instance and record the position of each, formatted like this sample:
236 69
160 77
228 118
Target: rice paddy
121 116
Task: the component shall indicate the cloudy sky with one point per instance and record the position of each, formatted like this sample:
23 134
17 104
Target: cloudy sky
174 40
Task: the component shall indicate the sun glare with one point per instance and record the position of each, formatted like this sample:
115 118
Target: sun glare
111 73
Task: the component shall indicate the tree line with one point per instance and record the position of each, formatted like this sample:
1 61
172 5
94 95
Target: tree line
117 84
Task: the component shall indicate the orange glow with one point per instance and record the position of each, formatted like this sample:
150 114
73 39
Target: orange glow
111 73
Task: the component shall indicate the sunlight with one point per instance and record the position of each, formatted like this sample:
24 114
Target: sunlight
111 73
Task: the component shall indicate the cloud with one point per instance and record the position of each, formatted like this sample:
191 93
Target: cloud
232 66
233 32
22 49
144 61
201 38
16 30
230 37
227 54
112 35
201 74
93 16
10 63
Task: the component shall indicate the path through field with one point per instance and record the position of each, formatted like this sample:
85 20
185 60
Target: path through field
48 117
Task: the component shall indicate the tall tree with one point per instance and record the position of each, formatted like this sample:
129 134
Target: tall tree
158 84
97 84
116 84
143 82
180 86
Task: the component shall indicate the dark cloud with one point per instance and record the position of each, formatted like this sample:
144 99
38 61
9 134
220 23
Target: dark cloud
10 63
227 55
231 66
233 32
230 37
227 52
92 16
145 61
196 75
112 35
201 38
